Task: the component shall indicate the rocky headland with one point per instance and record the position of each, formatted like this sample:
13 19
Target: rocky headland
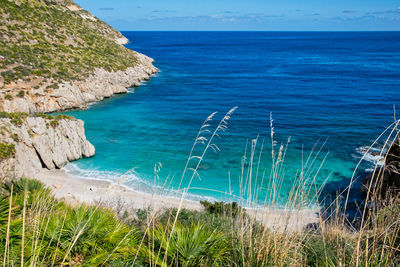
55 56
76 94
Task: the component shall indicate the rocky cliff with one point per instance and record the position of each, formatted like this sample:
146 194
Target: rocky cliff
34 143
76 94
56 56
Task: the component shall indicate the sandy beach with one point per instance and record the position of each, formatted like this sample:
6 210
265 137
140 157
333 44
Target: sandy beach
74 190
92 191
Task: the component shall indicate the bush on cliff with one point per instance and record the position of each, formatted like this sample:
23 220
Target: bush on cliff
6 151
222 208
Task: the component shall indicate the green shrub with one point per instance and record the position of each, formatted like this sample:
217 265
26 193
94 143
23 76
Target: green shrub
62 235
193 245
17 118
8 97
8 76
22 71
15 137
64 117
54 123
16 121
42 115
6 151
222 208
21 94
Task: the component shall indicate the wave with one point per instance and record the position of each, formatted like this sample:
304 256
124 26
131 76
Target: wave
375 156
130 181
132 89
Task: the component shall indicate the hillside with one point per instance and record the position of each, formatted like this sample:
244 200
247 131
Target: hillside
53 54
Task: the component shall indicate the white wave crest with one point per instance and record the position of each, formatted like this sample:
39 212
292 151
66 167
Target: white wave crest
131 181
372 155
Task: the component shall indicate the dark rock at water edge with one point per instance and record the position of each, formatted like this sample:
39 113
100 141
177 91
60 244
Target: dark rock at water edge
385 181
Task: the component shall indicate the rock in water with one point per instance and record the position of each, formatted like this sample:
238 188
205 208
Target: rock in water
385 181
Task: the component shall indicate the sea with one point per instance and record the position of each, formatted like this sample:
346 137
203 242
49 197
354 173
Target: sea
308 106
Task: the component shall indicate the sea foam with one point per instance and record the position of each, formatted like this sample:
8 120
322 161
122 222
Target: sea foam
129 180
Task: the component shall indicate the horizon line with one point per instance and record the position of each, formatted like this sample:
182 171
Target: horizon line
258 30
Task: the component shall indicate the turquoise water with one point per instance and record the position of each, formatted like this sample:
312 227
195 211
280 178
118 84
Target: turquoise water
333 88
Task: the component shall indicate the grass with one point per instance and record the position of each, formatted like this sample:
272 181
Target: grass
20 116
39 230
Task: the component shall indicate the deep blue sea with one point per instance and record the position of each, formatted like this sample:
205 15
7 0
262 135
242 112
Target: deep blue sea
331 88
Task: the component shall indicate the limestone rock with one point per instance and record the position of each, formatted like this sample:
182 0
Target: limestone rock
122 40
41 144
77 94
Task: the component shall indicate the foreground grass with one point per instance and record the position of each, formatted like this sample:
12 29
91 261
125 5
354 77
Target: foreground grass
38 230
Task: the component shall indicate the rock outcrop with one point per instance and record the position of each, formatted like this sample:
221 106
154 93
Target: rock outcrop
77 94
385 181
122 40
42 143
56 56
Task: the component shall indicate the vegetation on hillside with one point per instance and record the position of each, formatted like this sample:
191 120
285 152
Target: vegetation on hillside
17 118
6 151
44 43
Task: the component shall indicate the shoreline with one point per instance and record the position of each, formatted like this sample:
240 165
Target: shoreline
75 190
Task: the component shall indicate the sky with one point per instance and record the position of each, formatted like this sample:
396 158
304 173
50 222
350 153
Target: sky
254 15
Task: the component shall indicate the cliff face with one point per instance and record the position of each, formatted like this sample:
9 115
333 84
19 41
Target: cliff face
77 94
41 142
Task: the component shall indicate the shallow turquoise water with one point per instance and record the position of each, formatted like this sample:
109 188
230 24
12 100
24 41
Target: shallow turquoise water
332 88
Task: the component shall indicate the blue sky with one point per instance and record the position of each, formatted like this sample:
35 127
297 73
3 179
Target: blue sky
247 14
